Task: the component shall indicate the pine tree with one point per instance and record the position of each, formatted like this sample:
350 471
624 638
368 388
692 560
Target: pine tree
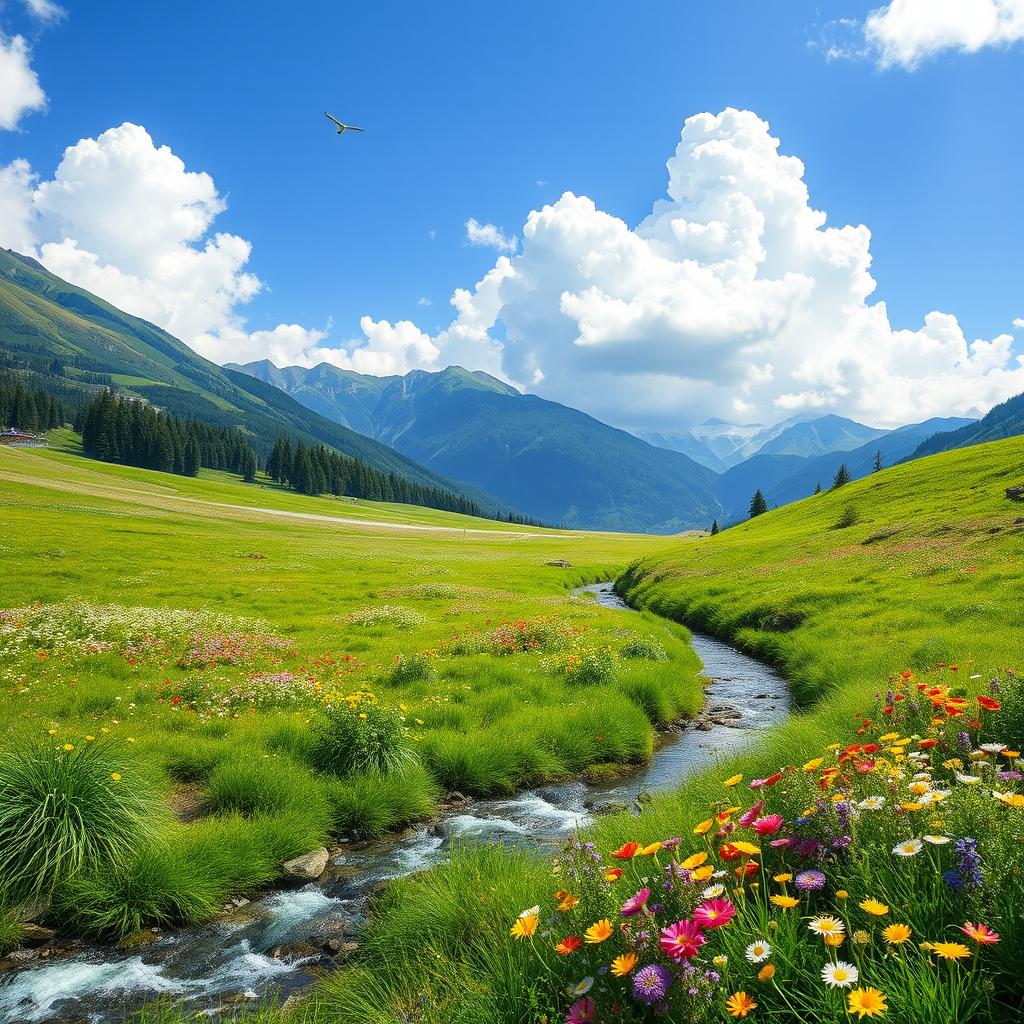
878 460
714 528
817 488
758 506
190 457
842 477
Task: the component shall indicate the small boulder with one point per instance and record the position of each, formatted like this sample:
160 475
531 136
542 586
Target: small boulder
559 563
309 866
36 934
1015 493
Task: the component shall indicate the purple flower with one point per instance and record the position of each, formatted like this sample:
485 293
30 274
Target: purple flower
963 741
841 842
810 881
993 686
1009 776
953 880
808 848
969 863
651 983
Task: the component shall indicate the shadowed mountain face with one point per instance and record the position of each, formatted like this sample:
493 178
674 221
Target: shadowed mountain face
547 460
50 327
1005 420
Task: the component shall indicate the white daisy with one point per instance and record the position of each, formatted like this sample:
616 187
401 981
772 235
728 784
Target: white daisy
993 748
531 912
581 988
839 974
872 803
758 952
937 840
908 848
934 797
712 892
826 924
968 780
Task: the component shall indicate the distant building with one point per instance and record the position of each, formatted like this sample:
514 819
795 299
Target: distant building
14 438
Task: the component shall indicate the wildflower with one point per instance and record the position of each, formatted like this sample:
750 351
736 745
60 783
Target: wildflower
861 937
694 861
568 902
840 974
622 965
613 874
525 927
704 826
1010 799
598 931
635 904
835 939
733 780
950 950
842 894
739 1004
981 933
811 765
872 803
758 952
826 924
681 940
896 934
116 776
51 732
784 902
993 748
766 973
649 850
69 747
810 881
714 914
969 862
967 780
583 1011
568 945
581 988
936 840
908 848
874 908
712 892
784 877
768 825
866 1002
651 983
702 874
627 851
745 848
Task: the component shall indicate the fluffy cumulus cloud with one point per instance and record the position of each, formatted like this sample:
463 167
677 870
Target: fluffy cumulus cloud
903 33
20 91
732 297
490 236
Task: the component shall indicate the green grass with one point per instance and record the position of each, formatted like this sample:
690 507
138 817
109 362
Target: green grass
929 573
206 625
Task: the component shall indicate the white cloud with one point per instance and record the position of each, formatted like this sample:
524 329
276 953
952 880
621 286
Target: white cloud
16 212
424 301
732 295
20 91
490 236
903 33
45 10
1019 323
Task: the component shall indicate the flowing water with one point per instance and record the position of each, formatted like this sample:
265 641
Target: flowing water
275 944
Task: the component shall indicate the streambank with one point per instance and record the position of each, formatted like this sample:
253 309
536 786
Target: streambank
280 943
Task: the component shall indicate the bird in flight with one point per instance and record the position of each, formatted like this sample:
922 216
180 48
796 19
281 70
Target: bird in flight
342 127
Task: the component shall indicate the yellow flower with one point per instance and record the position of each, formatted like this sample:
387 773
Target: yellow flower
835 940
1010 799
811 765
694 861
525 927
704 826
598 932
90 737
950 950
362 714
748 848
861 937
733 780
785 902
69 746
622 965
866 1002
889 737
116 776
784 877
896 933
568 902
52 732
874 908
702 874
647 851
766 973
739 1004
911 806
842 894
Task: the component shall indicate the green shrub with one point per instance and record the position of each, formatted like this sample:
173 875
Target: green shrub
590 668
64 812
643 648
361 736
370 804
850 516
254 784
412 668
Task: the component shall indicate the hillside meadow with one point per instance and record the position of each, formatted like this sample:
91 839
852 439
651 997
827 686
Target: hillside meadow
867 858
245 673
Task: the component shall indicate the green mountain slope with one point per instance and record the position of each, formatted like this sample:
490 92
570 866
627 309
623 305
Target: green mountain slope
550 461
1005 420
48 326
820 436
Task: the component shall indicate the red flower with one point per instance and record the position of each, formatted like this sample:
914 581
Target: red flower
175 700
989 703
568 945
729 852
626 851
927 744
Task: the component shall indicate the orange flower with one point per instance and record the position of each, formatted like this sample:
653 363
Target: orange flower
598 931
613 874
649 850
622 965
568 945
627 851
739 1004
733 780
698 830
694 861
569 902
525 927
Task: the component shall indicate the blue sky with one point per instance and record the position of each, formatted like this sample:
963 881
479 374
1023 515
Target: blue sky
472 111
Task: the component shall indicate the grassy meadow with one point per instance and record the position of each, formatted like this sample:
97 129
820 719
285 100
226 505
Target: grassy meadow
891 605
220 680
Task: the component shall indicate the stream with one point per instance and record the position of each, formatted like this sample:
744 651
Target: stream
280 942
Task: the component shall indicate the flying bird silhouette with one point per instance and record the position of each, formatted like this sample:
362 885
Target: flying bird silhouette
342 127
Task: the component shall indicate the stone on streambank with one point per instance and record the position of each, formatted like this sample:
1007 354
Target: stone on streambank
309 867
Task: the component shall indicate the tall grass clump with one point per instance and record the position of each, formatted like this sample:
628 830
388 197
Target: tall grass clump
411 668
12 931
68 809
359 734
267 785
370 804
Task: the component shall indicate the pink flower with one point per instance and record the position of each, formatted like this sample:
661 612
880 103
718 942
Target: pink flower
714 914
682 940
769 824
635 904
750 815
583 1011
